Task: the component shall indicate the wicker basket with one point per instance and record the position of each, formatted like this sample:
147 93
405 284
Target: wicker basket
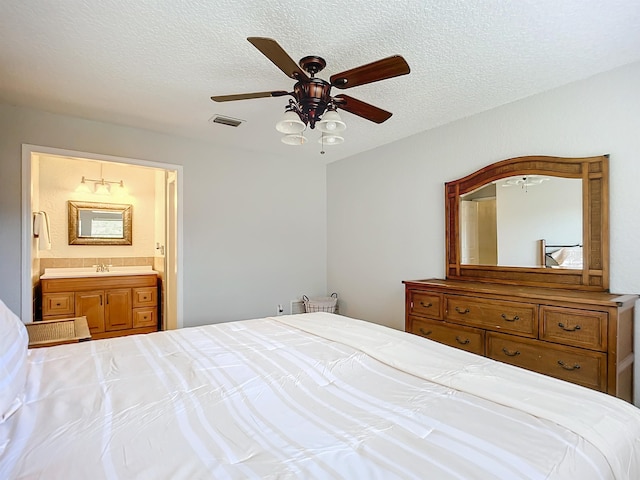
321 304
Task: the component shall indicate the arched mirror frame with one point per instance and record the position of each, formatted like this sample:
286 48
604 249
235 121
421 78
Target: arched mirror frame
594 172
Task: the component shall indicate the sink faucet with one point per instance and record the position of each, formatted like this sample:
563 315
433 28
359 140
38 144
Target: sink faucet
102 267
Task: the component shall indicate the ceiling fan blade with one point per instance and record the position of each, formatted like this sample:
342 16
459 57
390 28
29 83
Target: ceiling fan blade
246 96
389 67
362 109
274 52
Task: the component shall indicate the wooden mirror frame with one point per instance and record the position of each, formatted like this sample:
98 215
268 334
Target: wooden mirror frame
75 207
594 172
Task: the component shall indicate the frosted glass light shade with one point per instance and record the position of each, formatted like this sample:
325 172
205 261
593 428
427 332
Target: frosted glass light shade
83 187
103 188
331 122
290 123
330 139
294 139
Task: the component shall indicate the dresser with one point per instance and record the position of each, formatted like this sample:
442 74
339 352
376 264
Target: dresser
114 305
578 336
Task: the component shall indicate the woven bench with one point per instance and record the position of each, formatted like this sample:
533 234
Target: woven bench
47 333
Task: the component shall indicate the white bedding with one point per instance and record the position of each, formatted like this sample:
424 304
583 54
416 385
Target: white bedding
305 396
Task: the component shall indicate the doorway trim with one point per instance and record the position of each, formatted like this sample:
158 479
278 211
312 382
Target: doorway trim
26 291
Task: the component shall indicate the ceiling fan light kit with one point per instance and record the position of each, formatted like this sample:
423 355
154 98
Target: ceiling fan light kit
290 123
294 139
331 122
312 101
330 139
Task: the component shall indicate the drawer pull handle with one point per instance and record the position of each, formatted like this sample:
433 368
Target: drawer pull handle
462 312
57 304
515 318
568 329
567 367
510 354
426 333
426 305
462 342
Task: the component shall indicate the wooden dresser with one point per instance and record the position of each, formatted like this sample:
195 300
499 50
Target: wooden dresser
114 305
579 336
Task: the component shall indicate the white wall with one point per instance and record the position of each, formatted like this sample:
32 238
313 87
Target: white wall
248 242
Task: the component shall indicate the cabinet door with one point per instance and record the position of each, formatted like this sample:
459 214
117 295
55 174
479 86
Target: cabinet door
91 305
117 311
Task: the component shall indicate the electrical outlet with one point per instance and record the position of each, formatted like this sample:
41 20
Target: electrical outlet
280 310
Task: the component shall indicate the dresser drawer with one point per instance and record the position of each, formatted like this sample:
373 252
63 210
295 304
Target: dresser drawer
584 367
58 304
510 317
465 338
145 297
426 304
145 317
571 326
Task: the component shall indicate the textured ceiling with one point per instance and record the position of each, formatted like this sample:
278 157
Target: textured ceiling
154 64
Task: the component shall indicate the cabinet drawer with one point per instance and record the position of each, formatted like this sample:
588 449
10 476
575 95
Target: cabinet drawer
584 367
571 326
145 297
511 317
465 338
145 317
425 304
58 304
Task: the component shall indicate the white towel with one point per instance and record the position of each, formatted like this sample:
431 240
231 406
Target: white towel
41 230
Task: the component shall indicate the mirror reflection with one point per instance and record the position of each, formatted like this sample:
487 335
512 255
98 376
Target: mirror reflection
523 221
99 223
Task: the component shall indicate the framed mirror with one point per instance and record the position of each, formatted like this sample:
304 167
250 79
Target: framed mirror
533 221
93 223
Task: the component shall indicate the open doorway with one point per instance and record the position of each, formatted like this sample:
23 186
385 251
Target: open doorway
50 179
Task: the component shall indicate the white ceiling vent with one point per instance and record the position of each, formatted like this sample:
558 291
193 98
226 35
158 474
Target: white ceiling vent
229 121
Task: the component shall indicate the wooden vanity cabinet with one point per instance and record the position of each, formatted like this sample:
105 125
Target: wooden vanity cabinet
114 305
579 336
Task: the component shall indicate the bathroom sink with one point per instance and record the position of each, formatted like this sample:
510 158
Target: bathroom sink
91 272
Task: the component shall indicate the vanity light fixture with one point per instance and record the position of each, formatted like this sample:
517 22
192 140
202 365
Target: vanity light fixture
100 186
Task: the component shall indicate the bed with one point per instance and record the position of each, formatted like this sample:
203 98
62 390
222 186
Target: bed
307 396
561 256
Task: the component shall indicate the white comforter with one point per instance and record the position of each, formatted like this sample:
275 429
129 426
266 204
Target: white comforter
306 396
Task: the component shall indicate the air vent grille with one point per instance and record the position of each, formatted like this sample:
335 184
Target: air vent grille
229 121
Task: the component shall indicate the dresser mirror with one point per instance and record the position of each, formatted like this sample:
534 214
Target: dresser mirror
93 223
533 221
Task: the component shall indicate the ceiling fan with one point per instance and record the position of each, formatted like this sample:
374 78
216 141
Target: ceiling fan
312 95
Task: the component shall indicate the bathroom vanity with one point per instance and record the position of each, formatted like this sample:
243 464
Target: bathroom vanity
118 302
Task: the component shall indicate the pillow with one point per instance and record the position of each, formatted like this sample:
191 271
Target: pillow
13 361
570 257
